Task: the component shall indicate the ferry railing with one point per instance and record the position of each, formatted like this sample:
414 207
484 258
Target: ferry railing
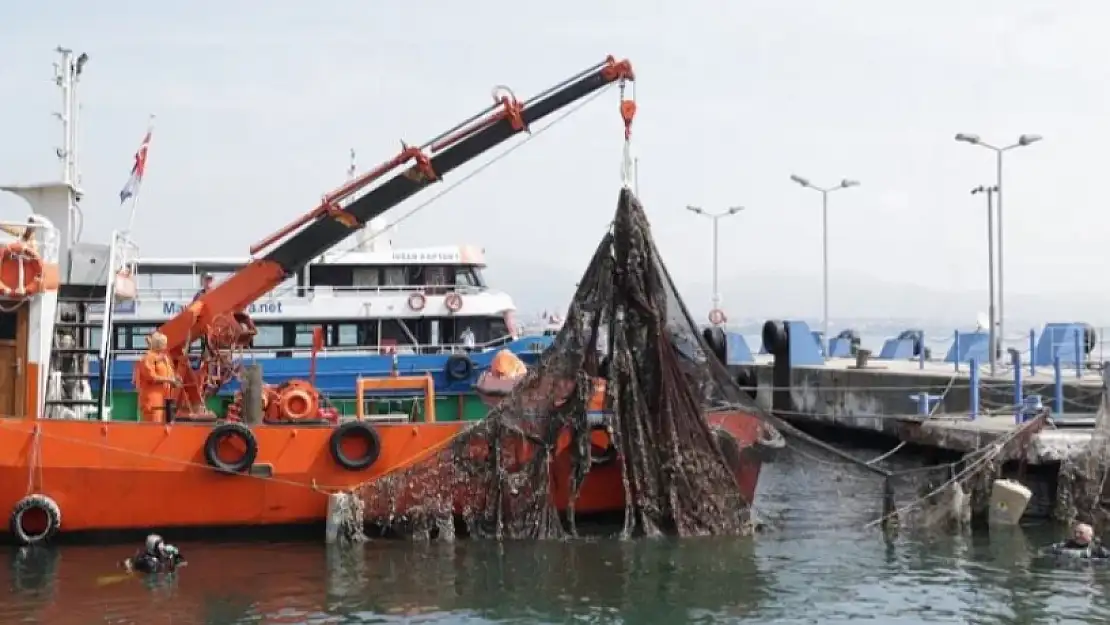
46 239
160 295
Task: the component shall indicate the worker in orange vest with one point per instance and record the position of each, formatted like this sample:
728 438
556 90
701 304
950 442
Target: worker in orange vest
155 379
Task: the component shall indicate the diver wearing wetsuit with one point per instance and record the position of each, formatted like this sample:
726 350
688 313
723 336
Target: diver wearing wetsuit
156 556
1082 544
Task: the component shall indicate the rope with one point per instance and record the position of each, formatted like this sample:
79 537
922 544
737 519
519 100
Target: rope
931 414
988 453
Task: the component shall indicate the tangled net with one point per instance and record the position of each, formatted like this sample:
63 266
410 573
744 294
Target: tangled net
1082 493
621 396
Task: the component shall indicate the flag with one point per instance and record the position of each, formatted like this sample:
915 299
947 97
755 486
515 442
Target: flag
132 186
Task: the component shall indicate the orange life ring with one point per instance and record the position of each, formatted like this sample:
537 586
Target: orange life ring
417 301
453 302
20 270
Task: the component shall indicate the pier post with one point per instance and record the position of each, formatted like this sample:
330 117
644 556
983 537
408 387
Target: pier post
1019 399
252 394
1057 386
1032 352
973 391
1079 355
921 352
956 347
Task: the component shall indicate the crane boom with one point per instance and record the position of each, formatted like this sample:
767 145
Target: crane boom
218 314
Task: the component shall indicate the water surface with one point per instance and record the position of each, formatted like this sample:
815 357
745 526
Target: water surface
819 566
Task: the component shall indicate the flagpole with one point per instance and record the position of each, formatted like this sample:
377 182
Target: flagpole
139 187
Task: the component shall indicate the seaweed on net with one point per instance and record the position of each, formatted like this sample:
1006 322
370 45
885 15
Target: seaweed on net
626 327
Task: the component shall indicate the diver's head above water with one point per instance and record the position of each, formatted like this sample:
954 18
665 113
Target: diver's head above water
1082 534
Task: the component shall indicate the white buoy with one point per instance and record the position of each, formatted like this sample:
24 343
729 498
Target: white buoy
1009 499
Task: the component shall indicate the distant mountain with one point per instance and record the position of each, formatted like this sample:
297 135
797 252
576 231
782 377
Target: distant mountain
752 297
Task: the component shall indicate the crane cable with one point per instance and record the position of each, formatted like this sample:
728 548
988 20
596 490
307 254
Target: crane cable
454 185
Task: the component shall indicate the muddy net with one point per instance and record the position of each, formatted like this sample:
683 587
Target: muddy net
1082 493
630 416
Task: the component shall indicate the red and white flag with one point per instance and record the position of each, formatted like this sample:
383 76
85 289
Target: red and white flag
137 169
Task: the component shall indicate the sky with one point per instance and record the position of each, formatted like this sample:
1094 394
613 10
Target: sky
259 103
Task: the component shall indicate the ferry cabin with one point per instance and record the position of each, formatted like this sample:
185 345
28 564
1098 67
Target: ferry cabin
417 301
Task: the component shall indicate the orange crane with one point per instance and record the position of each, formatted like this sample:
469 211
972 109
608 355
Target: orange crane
219 315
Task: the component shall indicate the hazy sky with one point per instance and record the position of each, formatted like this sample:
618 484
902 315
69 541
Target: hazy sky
258 103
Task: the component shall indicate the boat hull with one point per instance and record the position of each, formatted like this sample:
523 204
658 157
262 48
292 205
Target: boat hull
120 476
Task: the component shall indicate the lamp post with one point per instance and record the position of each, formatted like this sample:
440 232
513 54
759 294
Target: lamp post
825 191
716 218
1023 140
992 350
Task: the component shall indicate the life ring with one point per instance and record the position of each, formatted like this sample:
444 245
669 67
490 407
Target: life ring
453 302
717 316
602 449
352 430
458 368
35 519
20 270
417 301
226 432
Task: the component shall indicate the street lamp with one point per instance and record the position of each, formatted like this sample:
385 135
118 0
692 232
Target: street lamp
715 217
825 191
992 350
1023 141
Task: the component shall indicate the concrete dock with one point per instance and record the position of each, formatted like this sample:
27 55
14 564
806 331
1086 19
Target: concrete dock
884 398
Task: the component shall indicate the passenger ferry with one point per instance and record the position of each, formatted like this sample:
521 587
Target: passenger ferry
382 310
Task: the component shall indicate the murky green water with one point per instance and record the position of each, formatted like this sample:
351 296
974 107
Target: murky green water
820 567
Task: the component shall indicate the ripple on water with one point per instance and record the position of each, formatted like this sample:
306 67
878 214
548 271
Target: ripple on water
818 566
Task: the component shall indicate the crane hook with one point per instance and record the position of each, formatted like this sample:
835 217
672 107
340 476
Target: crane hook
628 111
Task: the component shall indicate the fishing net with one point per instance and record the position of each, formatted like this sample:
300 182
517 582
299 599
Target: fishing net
627 412
624 390
1081 487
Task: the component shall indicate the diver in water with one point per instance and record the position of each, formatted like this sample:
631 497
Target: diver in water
156 556
1082 544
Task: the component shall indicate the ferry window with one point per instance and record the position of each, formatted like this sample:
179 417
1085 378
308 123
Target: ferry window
392 330
94 337
302 334
436 276
368 334
414 275
270 335
498 329
329 275
344 335
136 338
479 277
464 276
394 276
366 277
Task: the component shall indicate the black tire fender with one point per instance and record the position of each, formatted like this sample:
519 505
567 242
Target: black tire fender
458 368
230 430
31 503
717 342
362 430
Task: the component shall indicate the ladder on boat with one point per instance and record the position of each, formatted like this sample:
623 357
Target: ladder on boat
81 360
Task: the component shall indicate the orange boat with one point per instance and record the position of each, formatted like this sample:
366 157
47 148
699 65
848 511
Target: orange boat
67 465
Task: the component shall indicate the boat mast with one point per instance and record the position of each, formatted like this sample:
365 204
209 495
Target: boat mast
67 76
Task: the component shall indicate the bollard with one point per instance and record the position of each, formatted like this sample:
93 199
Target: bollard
924 401
1015 360
921 352
1079 355
1032 352
956 348
1057 386
973 400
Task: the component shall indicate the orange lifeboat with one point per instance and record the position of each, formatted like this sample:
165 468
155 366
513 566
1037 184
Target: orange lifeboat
21 270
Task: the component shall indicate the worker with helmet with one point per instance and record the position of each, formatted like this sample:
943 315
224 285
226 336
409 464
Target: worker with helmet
155 380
